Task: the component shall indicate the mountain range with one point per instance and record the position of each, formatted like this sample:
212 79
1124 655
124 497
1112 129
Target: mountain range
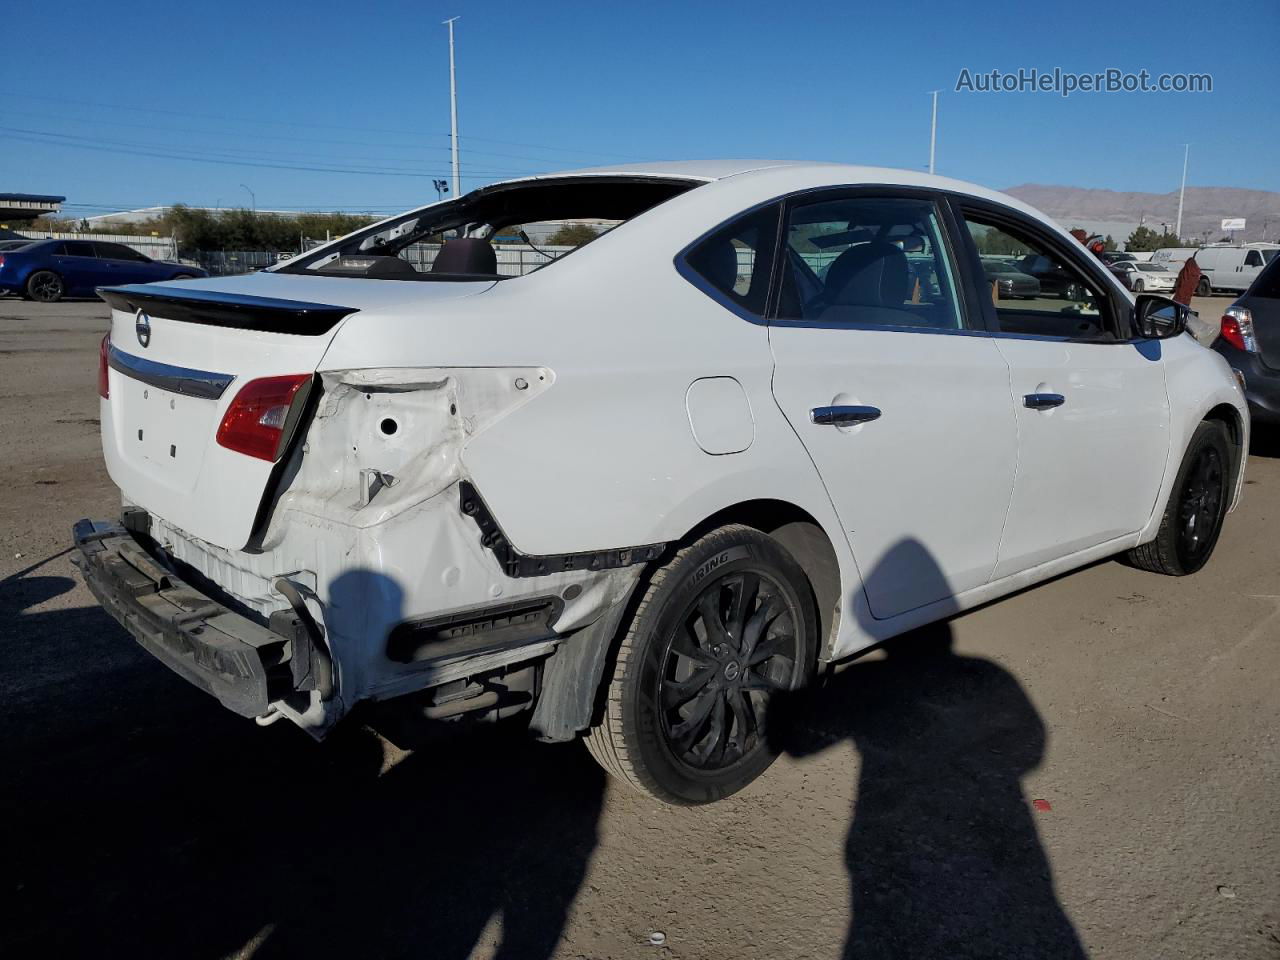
1203 210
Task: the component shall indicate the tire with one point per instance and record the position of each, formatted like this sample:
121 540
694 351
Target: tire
182 276
1197 504
1138 286
1203 289
45 286
685 715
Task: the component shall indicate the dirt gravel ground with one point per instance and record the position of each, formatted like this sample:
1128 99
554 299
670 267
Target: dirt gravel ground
1087 768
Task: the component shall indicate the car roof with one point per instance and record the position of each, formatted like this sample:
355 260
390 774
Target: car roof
705 170
784 176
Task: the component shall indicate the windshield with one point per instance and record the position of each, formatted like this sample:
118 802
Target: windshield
1150 268
498 232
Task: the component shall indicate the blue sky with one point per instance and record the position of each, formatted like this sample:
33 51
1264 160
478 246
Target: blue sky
106 112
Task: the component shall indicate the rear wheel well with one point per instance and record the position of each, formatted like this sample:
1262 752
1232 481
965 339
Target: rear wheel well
805 539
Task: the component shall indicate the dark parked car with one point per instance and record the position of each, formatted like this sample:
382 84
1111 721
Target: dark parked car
1054 280
1116 256
1012 281
48 270
1250 340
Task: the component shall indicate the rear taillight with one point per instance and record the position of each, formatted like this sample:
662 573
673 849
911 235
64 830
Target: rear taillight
1 259
257 422
104 354
1237 329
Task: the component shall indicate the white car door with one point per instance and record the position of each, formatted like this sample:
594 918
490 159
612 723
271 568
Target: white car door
903 405
1091 405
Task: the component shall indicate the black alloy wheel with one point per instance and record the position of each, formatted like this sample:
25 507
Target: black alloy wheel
1196 508
721 629
1200 507
733 647
45 286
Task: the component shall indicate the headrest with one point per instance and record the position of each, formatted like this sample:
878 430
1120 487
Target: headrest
718 262
869 275
466 255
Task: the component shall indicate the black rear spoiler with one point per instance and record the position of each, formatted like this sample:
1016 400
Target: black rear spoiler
217 309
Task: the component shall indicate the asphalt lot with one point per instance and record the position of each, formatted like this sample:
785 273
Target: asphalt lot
1093 768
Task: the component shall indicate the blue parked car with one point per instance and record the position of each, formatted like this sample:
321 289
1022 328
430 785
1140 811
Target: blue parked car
48 270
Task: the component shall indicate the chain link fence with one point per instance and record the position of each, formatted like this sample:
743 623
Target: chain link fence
225 263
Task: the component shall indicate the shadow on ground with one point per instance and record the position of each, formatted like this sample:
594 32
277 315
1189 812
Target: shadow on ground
144 821
943 854
1264 441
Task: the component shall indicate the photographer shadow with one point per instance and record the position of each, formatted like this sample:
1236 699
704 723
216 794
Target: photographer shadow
943 855
148 821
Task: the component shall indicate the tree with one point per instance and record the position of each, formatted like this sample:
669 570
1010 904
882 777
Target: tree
1145 239
572 235
996 242
1108 242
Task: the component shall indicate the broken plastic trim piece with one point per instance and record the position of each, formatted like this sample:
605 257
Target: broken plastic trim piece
485 630
517 564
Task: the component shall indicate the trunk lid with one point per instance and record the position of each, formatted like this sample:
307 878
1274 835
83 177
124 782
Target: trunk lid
180 352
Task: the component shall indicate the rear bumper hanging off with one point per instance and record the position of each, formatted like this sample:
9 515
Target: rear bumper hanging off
243 663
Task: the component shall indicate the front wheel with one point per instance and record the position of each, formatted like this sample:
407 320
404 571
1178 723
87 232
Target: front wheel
723 627
1197 506
1138 286
1203 289
182 276
45 286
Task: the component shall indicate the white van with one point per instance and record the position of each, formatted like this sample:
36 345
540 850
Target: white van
1234 266
1172 258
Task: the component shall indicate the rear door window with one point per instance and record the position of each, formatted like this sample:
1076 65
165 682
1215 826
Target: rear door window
78 248
864 261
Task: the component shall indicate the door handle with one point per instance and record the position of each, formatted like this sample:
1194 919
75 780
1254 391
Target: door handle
1043 401
843 416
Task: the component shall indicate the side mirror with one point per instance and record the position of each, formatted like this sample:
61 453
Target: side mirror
1159 318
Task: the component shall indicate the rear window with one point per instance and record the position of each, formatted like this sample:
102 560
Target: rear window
495 233
77 248
1267 285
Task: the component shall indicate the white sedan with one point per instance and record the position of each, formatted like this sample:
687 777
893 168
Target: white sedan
772 415
1145 277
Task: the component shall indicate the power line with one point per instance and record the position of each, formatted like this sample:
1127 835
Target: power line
416 147
12 133
202 150
186 114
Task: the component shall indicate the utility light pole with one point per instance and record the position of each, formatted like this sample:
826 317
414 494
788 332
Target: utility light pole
453 106
933 131
253 198
1186 153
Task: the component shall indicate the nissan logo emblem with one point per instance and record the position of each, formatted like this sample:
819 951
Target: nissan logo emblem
142 326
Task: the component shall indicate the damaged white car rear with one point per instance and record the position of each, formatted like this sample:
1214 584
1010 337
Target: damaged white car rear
771 416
